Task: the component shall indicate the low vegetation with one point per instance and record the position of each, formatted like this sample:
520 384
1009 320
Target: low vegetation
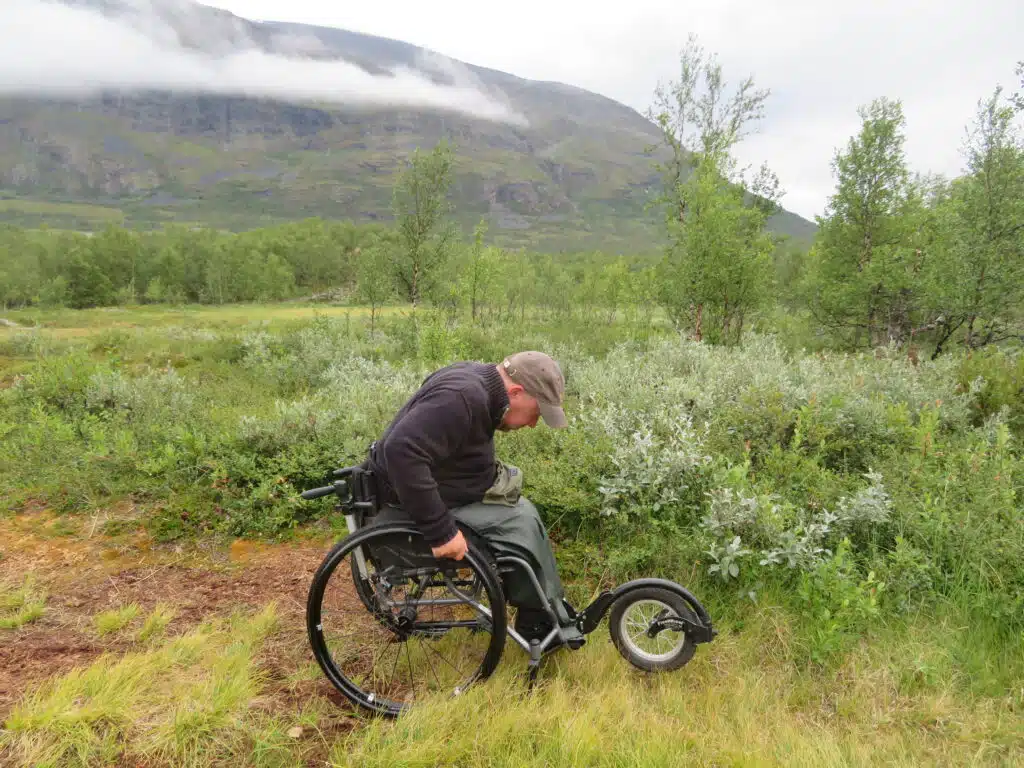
831 509
170 702
20 604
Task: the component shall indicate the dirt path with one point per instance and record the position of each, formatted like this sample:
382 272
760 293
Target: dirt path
85 574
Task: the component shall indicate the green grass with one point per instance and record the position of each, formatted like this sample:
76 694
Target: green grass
738 703
114 620
20 605
155 624
180 703
75 322
899 698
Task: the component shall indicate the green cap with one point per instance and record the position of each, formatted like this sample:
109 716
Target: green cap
542 379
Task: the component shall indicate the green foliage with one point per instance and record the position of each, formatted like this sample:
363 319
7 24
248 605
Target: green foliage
182 265
1001 373
748 467
839 604
912 261
374 280
717 268
421 208
480 274
864 263
340 263
978 284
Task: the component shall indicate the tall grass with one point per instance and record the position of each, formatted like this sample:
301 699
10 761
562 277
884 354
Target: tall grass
739 703
184 703
907 696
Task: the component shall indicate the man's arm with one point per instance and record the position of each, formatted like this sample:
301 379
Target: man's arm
429 433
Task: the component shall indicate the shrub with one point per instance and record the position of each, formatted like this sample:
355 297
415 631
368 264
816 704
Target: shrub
998 376
761 463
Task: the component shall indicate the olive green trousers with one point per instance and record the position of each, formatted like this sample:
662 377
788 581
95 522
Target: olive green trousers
509 531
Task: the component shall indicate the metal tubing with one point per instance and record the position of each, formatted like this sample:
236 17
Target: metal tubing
350 521
536 584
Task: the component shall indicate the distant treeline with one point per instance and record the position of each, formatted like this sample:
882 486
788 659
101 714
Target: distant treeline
309 258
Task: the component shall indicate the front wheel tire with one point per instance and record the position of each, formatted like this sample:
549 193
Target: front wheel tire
631 624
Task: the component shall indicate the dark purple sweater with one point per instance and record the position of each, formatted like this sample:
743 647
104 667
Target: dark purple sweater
438 451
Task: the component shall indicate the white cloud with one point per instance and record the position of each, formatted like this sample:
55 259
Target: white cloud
58 50
821 60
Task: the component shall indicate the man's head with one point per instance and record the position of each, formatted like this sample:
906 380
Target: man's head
535 387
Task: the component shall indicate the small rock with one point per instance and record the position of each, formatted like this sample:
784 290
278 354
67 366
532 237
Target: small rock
295 732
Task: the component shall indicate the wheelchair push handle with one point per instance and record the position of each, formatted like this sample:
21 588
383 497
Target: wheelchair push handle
354 488
335 487
316 493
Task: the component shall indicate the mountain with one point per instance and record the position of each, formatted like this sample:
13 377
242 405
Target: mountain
548 165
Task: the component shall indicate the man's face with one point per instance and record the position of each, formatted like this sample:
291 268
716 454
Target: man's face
523 410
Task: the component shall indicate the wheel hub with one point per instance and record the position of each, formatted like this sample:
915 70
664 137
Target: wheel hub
404 622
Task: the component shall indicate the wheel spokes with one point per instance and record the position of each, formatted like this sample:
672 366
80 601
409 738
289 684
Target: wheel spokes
636 624
417 638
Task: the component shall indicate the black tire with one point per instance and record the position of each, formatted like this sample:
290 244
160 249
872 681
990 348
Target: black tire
677 652
493 626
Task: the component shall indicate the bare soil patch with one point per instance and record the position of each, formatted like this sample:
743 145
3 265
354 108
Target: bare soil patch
84 574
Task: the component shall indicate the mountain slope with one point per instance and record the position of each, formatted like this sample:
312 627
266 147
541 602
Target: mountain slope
569 170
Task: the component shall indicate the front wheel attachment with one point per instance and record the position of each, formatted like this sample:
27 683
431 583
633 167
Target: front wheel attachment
655 624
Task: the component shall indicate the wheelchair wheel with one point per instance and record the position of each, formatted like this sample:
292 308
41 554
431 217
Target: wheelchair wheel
634 627
416 627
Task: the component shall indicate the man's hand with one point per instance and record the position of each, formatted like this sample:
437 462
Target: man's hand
454 548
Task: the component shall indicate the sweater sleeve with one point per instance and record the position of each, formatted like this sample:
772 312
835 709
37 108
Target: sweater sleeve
430 432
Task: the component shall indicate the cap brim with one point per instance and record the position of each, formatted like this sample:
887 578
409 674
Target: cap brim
553 416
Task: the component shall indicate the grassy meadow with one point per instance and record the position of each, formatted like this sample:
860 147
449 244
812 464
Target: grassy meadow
853 522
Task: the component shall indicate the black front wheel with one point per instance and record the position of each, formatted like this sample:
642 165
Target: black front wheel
642 629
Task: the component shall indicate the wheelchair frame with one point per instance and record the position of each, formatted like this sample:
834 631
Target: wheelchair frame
356 498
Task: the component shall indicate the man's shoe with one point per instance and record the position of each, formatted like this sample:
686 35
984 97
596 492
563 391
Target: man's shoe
536 625
532 624
570 637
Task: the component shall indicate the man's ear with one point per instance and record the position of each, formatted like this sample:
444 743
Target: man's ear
515 390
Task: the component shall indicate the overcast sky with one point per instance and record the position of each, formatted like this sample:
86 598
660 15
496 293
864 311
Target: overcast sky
821 59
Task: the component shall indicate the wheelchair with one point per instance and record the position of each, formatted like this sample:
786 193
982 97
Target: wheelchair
381 606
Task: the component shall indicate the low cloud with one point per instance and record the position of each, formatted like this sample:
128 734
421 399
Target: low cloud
53 49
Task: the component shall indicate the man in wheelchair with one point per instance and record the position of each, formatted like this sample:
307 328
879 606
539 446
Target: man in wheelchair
435 465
